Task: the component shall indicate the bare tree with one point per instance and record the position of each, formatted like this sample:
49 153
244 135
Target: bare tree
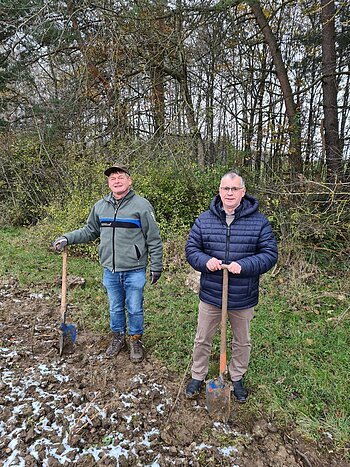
107 72
329 86
291 107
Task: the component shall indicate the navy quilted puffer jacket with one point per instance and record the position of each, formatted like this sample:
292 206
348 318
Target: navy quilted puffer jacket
248 240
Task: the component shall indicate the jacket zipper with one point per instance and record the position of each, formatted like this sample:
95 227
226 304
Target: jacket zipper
116 209
113 237
227 248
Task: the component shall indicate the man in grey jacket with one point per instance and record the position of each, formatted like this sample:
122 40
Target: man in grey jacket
126 226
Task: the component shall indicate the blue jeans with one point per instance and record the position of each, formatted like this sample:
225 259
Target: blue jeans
125 289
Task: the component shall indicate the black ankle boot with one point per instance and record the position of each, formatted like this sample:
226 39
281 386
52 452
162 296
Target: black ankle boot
239 391
193 388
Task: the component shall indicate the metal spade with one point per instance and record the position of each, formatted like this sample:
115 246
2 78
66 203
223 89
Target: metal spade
68 331
217 391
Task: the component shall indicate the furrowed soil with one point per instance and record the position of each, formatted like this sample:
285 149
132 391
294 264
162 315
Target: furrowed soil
85 409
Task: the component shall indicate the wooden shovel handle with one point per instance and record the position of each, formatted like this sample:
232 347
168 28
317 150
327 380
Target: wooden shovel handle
64 283
223 319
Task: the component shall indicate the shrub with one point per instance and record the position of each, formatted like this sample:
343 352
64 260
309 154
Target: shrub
56 187
29 180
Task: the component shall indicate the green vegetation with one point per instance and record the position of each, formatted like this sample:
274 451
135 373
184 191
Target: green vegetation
300 359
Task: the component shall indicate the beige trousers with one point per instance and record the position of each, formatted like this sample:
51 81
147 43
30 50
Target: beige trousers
209 319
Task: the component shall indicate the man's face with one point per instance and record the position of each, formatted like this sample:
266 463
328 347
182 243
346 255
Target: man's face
119 183
231 199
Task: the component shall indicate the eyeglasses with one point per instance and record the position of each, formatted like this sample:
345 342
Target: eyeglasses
229 188
118 177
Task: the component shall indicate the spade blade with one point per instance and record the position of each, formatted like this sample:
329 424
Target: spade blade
218 395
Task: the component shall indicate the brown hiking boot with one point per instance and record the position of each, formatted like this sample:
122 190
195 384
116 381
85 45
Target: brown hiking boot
136 348
117 344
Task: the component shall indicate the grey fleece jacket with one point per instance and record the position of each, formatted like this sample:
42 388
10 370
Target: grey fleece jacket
128 233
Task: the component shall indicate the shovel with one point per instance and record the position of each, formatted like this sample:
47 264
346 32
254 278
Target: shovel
217 391
68 331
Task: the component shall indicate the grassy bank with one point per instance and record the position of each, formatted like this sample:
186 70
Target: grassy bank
300 359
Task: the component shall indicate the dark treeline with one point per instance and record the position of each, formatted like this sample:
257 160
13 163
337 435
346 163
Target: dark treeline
263 86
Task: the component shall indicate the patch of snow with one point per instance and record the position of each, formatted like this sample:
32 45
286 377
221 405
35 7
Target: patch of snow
14 457
36 295
7 353
138 379
146 441
203 446
227 451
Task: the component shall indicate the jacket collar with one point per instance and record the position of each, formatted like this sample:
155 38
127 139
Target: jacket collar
110 198
248 205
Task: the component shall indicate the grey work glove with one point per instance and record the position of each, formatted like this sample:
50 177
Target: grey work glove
155 275
60 243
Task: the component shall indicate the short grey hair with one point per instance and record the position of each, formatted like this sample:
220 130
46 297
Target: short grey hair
233 175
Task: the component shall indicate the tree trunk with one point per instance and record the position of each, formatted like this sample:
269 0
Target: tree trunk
259 139
345 112
198 144
158 99
329 86
291 108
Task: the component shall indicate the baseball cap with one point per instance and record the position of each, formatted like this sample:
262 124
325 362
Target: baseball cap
116 168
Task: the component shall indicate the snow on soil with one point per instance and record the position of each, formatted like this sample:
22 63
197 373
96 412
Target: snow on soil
88 410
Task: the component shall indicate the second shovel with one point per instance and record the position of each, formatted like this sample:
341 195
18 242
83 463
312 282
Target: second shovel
217 390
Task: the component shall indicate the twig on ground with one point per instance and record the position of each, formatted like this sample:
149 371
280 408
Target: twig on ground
304 458
73 431
178 393
32 336
342 316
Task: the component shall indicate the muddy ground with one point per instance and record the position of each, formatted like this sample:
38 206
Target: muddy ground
87 410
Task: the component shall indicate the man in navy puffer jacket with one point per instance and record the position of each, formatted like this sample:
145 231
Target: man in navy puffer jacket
235 233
